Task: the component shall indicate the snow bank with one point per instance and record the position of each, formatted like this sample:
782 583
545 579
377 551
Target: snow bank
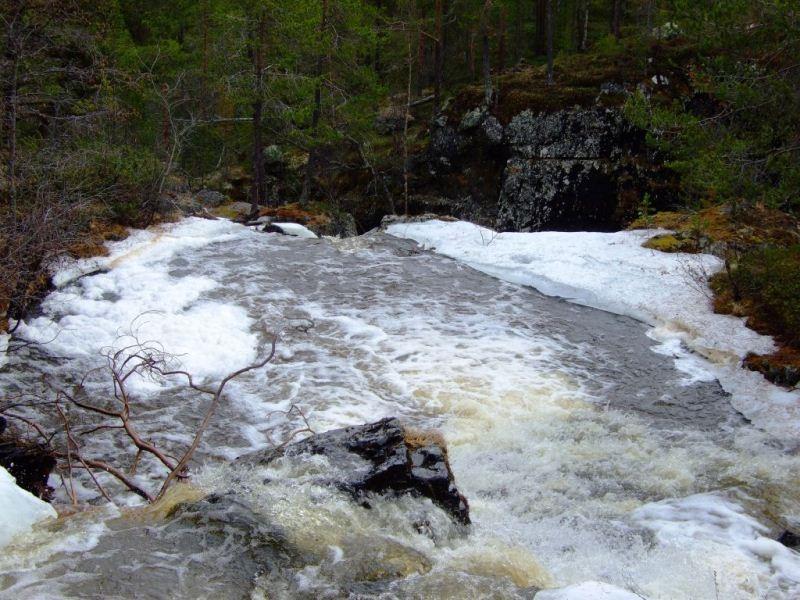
723 530
296 230
19 509
136 290
613 272
589 590
4 340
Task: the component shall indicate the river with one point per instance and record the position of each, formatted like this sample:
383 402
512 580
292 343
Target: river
585 455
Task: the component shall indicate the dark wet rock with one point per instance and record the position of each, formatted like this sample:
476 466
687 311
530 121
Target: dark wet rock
340 224
790 539
781 368
582 168
377 459
565 170
270 228
29 463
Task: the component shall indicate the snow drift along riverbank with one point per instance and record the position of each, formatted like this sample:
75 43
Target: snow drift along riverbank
613 272
19 509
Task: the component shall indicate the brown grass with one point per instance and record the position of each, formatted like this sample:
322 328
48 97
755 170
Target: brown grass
753 227
312 217
92 243
419 438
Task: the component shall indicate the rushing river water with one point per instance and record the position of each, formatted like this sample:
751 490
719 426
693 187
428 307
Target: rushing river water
584 454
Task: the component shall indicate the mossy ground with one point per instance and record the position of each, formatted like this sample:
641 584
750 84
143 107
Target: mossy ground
578 77
314 217
761 281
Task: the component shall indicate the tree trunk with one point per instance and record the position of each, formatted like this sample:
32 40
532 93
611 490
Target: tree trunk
616 19
501 45
471 55
10 98
258 190
438 62
316 115
406 118
518 50
541 27
487 66
550 35
421 52
584 34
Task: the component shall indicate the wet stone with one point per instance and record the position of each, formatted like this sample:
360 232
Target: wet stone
376 459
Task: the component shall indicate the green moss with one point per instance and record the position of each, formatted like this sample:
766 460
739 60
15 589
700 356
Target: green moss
666 243
226 211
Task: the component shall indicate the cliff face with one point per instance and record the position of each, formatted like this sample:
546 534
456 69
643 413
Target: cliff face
573 169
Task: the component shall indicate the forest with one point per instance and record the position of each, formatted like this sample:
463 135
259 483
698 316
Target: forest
671 127
111 109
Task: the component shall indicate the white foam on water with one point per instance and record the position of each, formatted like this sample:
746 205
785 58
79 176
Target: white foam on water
296 230
4 340
553 472
614 272
29 567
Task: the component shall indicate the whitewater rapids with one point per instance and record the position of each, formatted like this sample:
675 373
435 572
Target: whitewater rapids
588 454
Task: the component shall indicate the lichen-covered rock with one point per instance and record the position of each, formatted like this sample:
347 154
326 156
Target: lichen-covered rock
565 170
568 134
377 459
446 143
559 194
492 131
210 198
472 119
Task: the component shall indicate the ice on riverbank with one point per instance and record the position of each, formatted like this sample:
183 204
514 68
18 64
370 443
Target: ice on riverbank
296 230
589 590
19 509
720 527
140 287
613 272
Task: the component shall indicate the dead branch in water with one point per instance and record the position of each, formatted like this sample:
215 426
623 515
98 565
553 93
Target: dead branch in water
139 358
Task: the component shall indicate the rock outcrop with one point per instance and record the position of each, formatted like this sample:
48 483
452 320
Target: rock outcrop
381 458
565 170
571 169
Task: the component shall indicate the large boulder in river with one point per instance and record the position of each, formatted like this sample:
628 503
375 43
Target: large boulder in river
381 458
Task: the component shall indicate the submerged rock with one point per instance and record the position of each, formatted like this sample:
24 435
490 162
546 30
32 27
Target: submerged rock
291 229
588 590
380 458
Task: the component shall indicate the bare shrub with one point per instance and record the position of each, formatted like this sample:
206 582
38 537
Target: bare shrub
80 418
29 240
